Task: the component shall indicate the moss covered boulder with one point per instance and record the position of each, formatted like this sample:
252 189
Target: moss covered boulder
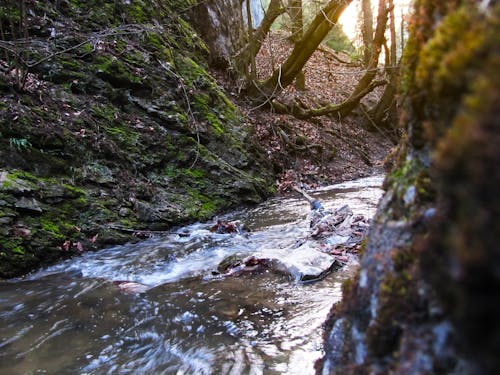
111 126
425 300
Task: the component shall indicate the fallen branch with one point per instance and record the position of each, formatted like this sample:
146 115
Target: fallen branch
330 52
314 203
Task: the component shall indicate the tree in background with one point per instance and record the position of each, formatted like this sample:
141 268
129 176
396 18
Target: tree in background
310 22
384 115
247 54
13 28
284 75
297 17
367 30
365 85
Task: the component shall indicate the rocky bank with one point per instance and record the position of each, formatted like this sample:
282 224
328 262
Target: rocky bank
111 128
426 297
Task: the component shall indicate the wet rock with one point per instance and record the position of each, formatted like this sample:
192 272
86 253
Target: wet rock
325 222
99 173
6 219
131 287
14 185
224 227
305 263
28 204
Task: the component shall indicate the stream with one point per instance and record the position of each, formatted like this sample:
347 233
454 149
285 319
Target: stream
177 316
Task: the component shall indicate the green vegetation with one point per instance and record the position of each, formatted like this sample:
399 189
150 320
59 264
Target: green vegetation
339 41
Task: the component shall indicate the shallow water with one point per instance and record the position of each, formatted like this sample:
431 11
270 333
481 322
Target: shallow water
74 318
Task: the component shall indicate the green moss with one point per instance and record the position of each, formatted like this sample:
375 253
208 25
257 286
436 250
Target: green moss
190 71
21 179
194 173
116 72
454 45
13 245
128 223
106 112
86 48
7 183
136 11
76 191
127 138
52 228
201 206
161 46
81 202
215 123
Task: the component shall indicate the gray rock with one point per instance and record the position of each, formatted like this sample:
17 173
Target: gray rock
28 204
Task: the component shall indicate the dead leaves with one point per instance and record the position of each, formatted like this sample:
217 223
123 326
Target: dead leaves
72 246
318 151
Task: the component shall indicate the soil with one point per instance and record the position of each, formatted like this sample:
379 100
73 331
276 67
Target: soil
322 150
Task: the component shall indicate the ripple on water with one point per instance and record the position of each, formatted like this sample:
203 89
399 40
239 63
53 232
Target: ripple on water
73 317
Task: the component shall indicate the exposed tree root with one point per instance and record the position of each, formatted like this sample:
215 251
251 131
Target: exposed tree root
337 110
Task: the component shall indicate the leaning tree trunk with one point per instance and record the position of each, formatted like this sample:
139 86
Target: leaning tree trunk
243 58
392 29
262 92
296 14
384 115
378 42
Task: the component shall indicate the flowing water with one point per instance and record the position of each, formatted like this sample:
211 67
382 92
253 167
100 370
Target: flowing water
74 318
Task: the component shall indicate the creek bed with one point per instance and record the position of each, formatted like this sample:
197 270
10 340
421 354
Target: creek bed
75 317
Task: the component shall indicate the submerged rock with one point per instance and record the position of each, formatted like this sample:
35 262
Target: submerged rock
305 263
131 287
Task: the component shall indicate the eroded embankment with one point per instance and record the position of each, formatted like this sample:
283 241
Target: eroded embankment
110 125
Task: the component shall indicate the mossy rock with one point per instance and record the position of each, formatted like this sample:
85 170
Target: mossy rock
126 129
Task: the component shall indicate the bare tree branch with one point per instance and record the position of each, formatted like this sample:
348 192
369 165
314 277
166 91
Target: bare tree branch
340 109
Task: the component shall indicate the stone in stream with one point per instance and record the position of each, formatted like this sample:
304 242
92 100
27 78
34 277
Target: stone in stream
303 263
313 257
131 287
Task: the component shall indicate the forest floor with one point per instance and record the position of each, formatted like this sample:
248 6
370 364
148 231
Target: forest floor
321 150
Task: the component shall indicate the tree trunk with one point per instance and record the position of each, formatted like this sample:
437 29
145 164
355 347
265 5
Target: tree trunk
394 41
253 65
295 12
367 30
378 42
262 92
384 114
244 57
338 110
221 25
